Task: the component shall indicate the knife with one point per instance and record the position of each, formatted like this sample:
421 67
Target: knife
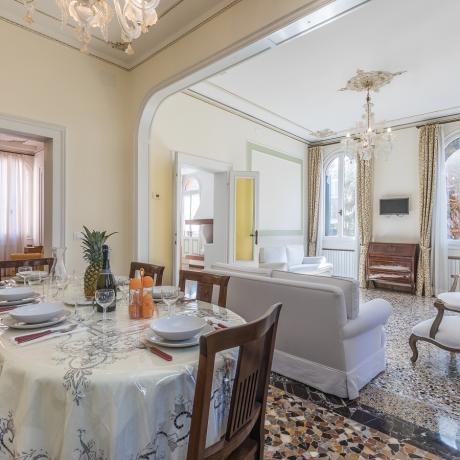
36 335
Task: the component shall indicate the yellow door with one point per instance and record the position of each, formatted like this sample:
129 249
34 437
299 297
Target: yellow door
245 216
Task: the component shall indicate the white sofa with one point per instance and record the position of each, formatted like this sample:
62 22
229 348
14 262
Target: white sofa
292 258
325 338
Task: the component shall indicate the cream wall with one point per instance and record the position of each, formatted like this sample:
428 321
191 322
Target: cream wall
397 176
45 81
100 107
188 125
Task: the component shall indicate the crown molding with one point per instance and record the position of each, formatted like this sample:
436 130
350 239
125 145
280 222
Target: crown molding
242 114
63 37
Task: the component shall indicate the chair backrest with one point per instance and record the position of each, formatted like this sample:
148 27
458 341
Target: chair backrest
245 426
13 265
33 249
205 285
155 271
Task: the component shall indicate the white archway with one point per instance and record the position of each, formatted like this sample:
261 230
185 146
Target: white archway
300 22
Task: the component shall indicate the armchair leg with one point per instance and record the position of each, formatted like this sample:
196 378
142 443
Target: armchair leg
413 345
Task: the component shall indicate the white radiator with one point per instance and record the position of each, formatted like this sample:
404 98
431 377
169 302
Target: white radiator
345 262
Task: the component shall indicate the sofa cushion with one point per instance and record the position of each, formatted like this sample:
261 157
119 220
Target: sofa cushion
272 255
324 269
349 287
295 254
274 266
250 269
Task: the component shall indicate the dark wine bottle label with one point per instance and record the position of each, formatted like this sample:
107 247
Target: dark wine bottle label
106 280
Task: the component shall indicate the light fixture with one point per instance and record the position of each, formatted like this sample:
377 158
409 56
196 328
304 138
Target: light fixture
135 17
368 141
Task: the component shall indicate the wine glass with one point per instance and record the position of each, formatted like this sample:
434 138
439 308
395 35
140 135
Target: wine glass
37 283
104 298
24 272
170 295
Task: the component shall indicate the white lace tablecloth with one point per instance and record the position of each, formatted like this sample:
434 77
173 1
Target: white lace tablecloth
88 396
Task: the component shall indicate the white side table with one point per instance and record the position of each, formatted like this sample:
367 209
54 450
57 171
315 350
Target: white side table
441 331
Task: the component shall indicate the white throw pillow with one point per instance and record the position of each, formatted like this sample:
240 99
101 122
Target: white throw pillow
272 255
295 254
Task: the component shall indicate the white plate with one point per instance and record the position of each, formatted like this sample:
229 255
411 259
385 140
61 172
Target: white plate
19 302
174 344
156 292
17 293
82 303
156 340
37 313
14 324
34 275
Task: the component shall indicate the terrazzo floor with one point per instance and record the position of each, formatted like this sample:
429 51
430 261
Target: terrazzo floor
297 429
418 404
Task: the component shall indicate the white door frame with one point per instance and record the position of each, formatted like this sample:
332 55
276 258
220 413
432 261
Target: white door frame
204 164
57 134
232 218
299 22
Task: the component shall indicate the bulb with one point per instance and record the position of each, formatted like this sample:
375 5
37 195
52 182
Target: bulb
389 130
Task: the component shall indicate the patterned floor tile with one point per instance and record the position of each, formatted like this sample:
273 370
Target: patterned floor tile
298 429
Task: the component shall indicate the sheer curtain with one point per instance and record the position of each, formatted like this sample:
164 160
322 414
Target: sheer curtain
440 246
16 202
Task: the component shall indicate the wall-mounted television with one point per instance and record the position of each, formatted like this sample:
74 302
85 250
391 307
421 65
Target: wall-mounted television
392 206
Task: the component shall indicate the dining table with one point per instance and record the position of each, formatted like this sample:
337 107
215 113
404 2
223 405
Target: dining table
97 394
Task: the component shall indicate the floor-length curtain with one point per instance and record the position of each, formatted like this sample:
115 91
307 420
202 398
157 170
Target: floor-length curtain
440 243
314 161
16 197
364 197
428 150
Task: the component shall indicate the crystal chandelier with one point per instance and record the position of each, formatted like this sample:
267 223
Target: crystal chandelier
134 16
366 140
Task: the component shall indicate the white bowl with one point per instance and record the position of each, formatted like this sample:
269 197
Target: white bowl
177 327
16 293
36 313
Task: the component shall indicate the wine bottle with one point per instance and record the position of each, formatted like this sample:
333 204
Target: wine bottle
106 280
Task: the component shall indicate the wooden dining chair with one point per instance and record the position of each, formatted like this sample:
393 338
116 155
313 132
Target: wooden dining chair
13 265
205 285
155 271
244 435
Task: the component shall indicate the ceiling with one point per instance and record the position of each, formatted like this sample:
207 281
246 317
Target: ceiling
17 144
176 19
295 85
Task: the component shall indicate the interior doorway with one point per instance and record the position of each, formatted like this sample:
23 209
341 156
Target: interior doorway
26 191
201 212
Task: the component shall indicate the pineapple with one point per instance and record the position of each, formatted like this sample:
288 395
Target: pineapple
92 242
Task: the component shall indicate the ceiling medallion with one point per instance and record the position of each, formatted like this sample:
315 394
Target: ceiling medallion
135 17
322 133
368 141
369 81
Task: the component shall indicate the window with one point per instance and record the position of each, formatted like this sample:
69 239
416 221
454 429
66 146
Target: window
191 203
340 197
453 189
